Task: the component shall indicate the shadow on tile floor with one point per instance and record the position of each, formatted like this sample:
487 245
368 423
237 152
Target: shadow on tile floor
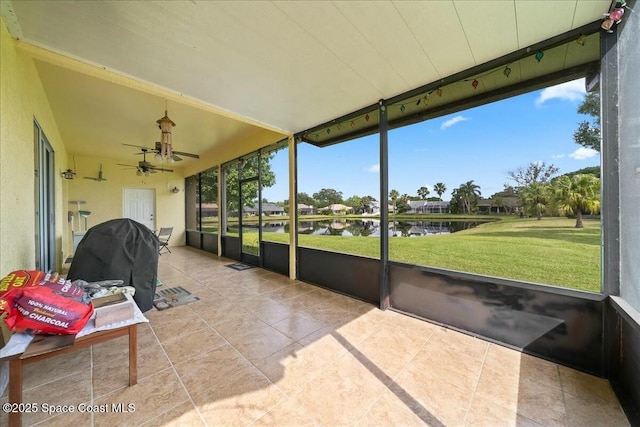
260 349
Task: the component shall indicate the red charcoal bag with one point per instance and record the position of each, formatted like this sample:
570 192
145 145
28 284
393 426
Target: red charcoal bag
21 278
40 310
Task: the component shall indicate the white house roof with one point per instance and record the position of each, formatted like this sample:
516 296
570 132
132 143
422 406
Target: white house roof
336 207
418 203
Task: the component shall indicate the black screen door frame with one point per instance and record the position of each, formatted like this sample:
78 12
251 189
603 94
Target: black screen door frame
45 219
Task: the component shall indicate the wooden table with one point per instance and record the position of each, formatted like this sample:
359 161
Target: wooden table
17 362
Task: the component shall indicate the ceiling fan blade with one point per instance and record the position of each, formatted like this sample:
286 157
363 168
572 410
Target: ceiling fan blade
180 153
160 169
99 178
141 147
195 156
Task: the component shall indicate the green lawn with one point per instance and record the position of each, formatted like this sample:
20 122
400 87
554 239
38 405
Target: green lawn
550 251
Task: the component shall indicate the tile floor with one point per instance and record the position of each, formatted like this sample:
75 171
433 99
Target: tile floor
259 349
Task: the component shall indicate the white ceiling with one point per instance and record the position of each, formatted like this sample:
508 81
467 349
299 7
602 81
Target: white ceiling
97 116
288 64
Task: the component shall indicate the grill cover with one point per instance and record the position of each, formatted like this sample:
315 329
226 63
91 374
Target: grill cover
119 249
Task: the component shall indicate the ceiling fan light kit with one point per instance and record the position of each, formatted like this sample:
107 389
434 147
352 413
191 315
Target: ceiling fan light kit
68 174
163 150
144 167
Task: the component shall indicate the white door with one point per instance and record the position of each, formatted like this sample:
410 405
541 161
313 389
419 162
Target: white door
139 205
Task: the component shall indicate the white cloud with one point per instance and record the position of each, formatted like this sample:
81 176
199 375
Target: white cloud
583 153
569 91
557 156
373 168
452 122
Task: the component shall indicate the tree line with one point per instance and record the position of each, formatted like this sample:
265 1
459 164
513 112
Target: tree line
570 194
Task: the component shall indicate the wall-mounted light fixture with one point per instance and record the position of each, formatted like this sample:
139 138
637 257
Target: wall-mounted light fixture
69 173
175 190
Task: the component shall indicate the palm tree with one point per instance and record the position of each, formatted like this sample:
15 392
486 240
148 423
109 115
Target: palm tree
394 194
403 205
535 197
577 194
440 188
423 192
469 194
366 203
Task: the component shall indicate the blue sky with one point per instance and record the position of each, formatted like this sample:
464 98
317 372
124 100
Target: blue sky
481 144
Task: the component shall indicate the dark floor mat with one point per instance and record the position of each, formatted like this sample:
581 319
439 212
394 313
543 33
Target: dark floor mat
240 266
173 297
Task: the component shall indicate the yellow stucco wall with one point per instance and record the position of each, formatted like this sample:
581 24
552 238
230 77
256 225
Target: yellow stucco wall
22 99
105 199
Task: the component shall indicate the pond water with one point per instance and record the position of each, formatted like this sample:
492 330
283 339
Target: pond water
370 227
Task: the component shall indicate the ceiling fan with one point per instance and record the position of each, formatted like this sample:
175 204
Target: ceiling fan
158 148
100 178
145 167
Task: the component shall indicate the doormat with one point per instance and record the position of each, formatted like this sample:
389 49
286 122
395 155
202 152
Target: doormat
240 266
173 297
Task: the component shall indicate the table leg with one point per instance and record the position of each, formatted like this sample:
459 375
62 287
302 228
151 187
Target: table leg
133 355
15 390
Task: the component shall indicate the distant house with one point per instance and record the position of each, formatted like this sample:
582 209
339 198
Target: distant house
306 209
427 207
337 209
374 208
371 208
208 209
250 210
508 204
268 209
485 205
272 209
